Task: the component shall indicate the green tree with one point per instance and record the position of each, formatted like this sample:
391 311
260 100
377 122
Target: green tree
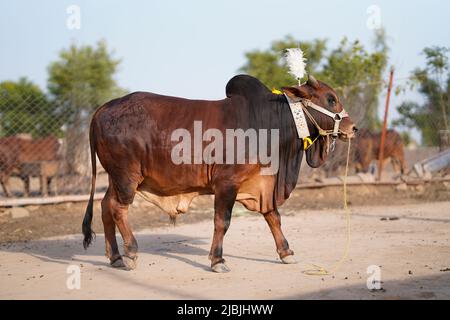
80 81
357 76
354 72
24 108
269 68
83 79
432 116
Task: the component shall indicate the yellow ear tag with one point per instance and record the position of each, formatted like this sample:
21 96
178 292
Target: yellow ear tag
307 142
276 91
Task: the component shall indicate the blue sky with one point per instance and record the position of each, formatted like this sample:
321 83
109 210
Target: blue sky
192 48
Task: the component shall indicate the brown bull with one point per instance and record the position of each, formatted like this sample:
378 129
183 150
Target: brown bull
367 149
132 138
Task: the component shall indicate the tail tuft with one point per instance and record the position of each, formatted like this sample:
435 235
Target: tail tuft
88 233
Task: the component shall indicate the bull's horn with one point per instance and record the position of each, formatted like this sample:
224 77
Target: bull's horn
312 81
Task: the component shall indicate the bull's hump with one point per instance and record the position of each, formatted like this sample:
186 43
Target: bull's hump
246 86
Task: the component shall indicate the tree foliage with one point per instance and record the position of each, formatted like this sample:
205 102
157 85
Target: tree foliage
83 79
25 108
354 72
433 82
268 67
79 81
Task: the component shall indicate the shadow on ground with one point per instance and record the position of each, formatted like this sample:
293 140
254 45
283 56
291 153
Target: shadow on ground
66 250
415 288
188 249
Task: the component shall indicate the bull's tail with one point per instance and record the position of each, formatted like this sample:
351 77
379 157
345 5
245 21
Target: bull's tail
87 221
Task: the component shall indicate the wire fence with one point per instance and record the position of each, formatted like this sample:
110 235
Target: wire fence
44 149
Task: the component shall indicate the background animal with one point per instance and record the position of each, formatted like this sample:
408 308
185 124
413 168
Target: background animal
15 151
367 149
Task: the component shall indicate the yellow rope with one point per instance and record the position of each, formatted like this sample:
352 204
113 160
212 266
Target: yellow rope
318 270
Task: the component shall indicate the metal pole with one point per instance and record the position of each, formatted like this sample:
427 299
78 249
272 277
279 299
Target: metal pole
383 132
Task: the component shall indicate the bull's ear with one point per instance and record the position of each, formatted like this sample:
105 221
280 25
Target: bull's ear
296 93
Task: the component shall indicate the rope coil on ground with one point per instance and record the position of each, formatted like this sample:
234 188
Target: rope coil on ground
316 270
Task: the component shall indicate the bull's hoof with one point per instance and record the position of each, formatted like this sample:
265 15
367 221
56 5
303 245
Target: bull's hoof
118 263
125 263
220 268
130 263
289 260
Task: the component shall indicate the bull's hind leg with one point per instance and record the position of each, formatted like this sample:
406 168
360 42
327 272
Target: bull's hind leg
112 249
224 199
117 207
274 221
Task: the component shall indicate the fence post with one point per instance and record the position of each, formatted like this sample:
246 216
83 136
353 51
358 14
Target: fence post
383 132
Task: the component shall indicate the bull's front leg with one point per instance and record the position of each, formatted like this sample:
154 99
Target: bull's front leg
274 221
224 198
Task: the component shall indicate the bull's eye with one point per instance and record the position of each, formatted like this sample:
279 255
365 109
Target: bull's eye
331 102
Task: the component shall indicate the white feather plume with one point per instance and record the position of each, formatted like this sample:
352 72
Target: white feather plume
296 62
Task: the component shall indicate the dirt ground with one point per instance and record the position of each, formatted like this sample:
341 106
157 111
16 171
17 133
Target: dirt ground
405 233
66 218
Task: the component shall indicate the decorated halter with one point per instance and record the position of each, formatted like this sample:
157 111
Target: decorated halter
299 110
297 64
337 117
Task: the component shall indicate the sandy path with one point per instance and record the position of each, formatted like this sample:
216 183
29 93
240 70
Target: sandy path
173 262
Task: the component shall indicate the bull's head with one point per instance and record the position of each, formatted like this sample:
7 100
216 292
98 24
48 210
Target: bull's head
328 116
